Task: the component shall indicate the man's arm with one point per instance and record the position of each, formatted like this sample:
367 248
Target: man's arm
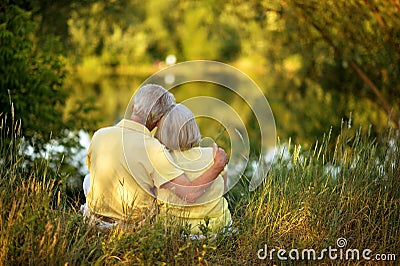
191 190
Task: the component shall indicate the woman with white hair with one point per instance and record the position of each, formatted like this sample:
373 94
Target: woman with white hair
180 134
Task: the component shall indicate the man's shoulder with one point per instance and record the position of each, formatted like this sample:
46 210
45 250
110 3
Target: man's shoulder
105 132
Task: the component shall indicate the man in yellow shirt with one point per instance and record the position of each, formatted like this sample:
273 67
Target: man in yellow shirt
127 164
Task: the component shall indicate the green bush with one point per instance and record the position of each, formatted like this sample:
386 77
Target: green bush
32 92
30 78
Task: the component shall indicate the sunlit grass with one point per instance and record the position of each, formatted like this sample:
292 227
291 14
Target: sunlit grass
302 204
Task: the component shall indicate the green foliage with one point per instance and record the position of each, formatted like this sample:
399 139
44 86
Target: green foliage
332 55
30 78
306 57
144 33
204 35
345 49
108 34
32 92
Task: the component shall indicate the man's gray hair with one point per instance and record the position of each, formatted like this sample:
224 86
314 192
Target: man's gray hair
178 129
151 102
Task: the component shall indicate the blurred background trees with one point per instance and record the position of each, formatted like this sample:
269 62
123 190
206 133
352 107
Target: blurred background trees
317 62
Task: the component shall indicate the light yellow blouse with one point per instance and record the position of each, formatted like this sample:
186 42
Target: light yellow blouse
211 204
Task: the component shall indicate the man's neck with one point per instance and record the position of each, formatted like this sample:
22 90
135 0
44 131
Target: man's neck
139 120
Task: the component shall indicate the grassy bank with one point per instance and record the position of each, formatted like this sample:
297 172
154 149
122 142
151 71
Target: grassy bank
346 187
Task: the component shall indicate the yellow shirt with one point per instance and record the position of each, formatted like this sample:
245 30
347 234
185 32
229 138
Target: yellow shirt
211 204
126 164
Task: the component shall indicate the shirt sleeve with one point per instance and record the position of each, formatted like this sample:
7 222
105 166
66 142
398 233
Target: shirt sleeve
164 167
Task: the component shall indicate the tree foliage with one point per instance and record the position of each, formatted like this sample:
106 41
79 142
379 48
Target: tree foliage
316 61
336 56
32 92
363 39
31 79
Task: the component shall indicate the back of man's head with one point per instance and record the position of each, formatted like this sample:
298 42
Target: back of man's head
151 102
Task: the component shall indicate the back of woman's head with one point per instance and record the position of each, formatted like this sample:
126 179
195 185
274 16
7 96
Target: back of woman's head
178 129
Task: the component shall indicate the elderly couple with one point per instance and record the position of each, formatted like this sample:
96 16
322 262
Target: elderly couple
132 170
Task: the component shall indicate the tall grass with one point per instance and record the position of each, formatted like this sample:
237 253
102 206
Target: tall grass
302 204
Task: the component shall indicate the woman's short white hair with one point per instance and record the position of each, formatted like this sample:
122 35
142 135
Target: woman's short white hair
151 102
178 129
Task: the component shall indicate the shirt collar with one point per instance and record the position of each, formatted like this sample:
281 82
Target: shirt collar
132 125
